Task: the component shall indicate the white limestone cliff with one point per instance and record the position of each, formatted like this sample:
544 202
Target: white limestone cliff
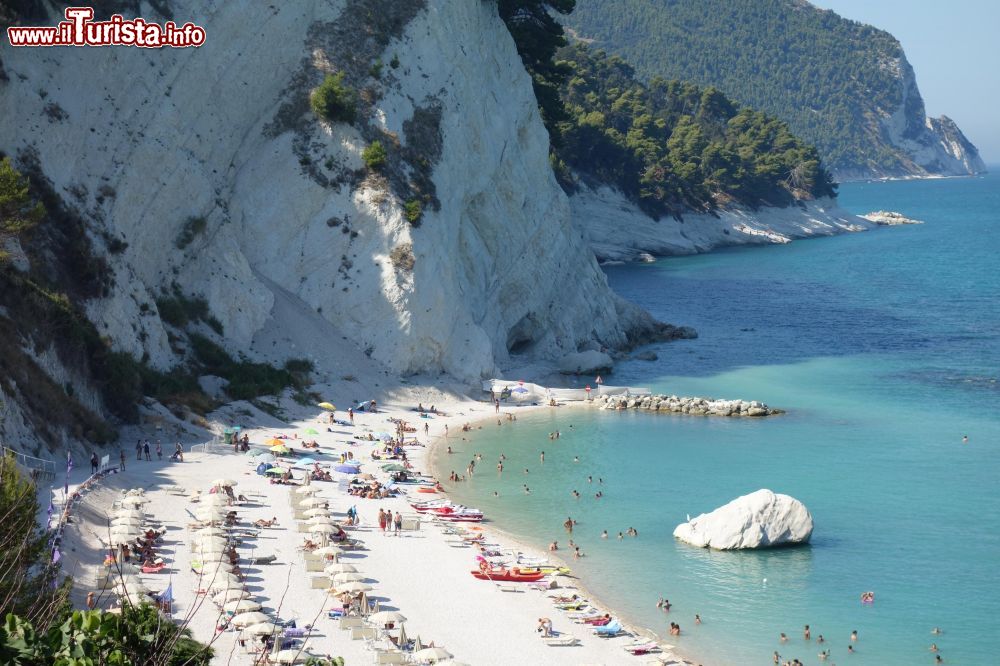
140 142
761 519
618 231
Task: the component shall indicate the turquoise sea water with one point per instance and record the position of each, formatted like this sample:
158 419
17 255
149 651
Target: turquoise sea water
885 349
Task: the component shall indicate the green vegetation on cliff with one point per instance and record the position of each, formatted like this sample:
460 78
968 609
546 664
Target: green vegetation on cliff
830 78
673 146
669 146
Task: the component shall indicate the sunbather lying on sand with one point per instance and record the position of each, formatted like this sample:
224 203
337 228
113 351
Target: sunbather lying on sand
266 523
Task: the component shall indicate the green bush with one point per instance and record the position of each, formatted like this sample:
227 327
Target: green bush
193 226
333 100
413 211
374 155
376 69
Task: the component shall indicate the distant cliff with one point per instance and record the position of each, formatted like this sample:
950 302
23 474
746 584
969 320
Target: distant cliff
844 86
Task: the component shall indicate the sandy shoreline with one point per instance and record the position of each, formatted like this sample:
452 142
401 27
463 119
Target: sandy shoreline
419 573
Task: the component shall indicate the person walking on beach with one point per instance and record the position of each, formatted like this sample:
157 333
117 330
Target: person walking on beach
381 519
145 449
397 523
122 454
94 462
427 429
159 450
138 449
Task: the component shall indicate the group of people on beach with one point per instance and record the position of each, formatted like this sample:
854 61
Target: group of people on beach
387 522
807 636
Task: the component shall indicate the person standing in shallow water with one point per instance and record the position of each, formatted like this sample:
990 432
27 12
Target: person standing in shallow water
568 525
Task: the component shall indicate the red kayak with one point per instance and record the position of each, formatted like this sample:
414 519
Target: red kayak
507 575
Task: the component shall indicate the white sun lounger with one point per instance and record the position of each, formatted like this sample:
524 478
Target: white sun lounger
561 641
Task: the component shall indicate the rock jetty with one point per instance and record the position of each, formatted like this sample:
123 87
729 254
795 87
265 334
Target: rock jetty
684 405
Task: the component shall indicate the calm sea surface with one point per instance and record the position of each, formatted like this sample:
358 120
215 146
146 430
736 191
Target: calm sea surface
884 347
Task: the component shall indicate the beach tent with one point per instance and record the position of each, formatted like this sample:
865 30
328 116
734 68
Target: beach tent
262 468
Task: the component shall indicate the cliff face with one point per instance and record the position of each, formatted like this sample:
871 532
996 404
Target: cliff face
843 86
922 146
209 165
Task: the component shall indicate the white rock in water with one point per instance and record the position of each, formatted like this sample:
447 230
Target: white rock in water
585 362
887 218
759 520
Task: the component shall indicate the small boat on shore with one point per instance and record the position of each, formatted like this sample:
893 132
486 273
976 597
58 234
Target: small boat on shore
506 575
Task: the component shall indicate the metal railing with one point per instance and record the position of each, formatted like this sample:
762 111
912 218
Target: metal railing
33 465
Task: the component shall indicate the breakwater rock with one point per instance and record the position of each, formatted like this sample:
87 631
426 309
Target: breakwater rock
687 405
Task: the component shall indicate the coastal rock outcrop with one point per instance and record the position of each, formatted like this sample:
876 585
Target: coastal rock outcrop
695 406
762 519
887 218
618 231
585 363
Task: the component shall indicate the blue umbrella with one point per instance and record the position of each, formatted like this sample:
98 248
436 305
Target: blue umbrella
347 469
304 462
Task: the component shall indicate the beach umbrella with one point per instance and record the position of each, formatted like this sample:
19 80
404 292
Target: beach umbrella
432 654
263 628
207 568
402 639
210 531
304 462
418 645
311 431
340 567
347 469
126 521
215 499
323 529
132 587
347 577
274 441
324 519
393 467
206 539
248 618
327 406
353 587
241 606
275 471
314 502
134 500
225 597
290 656
317 513
328 551
307 490
452 662
384 436
223 483
130 512
383 618
280 448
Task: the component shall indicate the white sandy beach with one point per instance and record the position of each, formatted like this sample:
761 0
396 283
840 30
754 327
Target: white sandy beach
418 573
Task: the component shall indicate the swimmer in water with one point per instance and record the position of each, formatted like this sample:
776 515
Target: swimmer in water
449 450
783 638
933 647
854 635
543 456
697 618
604 534
806 634
965 439
527 490
850 649
590 479
821 639
576 459
936 630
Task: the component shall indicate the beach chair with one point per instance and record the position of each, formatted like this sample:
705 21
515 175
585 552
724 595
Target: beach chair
389 657
611 629
351 622
638 649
